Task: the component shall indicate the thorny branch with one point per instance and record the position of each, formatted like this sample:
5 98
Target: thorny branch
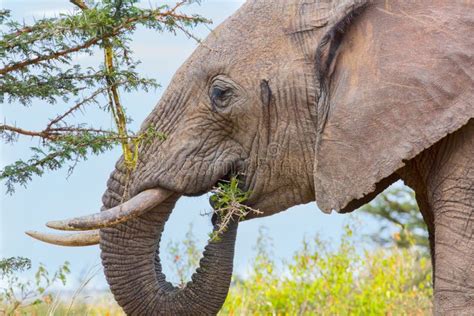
74 108
79 3
56 55
37 63
228 205
21 131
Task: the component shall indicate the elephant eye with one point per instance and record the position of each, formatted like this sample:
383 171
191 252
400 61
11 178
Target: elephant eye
220 96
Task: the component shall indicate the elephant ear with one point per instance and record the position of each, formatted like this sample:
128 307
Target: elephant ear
314 14
308 17
393 81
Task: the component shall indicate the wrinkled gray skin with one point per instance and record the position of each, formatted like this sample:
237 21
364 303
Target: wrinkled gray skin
302 112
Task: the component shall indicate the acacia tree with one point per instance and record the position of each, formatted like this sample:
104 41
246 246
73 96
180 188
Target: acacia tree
37 63
397 210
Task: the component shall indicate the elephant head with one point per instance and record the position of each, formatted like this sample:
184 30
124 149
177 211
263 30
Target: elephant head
302 101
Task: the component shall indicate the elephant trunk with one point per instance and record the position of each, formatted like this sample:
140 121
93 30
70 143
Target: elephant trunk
130 256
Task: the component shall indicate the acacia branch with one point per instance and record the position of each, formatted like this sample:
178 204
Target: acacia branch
93 41
71 129
26 29
55 134
116 107
77 106
42 134
25 63
51 133
79 3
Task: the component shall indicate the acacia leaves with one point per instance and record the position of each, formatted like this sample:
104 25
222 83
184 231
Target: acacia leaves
228 205
39 61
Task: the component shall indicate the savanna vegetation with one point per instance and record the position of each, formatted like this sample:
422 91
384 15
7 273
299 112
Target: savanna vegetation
325 280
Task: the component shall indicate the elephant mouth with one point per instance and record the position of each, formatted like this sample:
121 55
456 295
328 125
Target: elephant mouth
226 180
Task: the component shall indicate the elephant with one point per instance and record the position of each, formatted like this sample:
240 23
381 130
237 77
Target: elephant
326 101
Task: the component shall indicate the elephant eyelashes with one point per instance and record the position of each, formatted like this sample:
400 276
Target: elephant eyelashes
220 97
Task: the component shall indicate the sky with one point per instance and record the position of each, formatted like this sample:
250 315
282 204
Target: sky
56 196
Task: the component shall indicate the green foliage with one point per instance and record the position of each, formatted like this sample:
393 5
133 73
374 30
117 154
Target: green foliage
54 155
397 208
43 296
9 266
321 281
227 200
18 293
37 62
228 192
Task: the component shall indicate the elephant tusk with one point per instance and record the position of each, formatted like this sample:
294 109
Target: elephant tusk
136 206
71 240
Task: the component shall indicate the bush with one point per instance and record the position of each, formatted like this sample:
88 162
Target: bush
18 294
321 281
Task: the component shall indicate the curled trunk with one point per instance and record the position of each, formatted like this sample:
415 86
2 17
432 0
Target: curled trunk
130 256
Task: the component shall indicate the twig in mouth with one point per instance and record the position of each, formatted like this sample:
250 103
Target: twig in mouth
228 199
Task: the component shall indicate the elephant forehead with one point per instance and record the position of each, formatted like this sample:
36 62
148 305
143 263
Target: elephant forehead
254 34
